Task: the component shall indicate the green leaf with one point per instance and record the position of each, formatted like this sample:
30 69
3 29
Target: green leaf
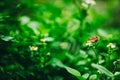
20 74
103 69
93 77
85 75
6 38
116 73
57 62
72 71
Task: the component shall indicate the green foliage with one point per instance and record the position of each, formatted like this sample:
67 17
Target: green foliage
103 70
59 40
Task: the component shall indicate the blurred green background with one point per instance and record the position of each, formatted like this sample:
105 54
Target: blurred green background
54 40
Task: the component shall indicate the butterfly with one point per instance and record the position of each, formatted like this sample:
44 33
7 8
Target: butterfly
94 39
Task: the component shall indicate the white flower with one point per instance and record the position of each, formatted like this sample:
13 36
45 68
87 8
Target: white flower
92 2
100 72
24 20
111 45
64 45
47 39
89 43
33 48
84 5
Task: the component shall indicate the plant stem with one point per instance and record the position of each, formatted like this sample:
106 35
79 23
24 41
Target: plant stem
109 53
114 67
94 50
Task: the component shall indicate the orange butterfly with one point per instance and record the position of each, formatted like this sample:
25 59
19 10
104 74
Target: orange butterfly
94 39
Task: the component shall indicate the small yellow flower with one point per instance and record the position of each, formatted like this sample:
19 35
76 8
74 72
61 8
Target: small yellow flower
89 43
111 45
33 48
42 40
84 5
